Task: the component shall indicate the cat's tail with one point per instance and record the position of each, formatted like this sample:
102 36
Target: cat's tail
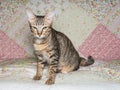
87 62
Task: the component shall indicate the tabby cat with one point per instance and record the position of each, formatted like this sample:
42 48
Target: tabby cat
54 48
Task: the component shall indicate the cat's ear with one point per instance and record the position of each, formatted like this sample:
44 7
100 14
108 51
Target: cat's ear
49 18
31 15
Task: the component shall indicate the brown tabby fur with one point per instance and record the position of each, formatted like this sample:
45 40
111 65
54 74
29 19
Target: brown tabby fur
54 48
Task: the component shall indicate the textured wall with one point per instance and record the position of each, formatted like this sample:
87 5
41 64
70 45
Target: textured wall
92 25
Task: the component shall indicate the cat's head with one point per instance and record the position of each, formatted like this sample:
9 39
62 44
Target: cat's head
40 25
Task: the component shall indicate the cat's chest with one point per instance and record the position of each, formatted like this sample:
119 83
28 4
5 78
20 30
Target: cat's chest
40 47
42 52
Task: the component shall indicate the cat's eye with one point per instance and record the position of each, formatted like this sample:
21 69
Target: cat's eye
34 27
44 28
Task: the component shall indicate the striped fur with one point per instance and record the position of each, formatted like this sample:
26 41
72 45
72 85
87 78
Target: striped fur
54 48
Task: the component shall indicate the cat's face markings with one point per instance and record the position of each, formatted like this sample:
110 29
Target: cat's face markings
40 25
40 31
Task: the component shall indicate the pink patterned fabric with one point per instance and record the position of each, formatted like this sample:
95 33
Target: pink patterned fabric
101 44
9 49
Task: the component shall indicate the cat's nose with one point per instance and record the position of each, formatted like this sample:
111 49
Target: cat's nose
39 34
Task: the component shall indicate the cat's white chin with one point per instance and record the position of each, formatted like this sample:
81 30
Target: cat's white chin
41 37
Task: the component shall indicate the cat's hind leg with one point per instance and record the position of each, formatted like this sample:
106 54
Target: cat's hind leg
69 68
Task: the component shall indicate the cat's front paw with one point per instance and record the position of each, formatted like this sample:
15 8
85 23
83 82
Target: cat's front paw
50 82
37 77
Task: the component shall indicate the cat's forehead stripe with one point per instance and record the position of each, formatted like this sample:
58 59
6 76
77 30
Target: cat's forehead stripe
39 21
